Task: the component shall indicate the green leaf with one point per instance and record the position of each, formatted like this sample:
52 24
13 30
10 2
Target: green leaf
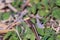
34 1
51 38
33 9
45 37
7 35
5 16
45 3
44 20
28 34
39 6
51 3
19 29
33 20
13 38
40 31
43 13
17 4
58 37
56 13
58 2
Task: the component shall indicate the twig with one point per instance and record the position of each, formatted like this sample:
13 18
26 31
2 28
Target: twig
18 33
12 8
33 28
24 5
5 31
15 23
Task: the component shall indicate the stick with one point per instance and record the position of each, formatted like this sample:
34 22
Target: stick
11 26
12 8
24 5
33 29
5 31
